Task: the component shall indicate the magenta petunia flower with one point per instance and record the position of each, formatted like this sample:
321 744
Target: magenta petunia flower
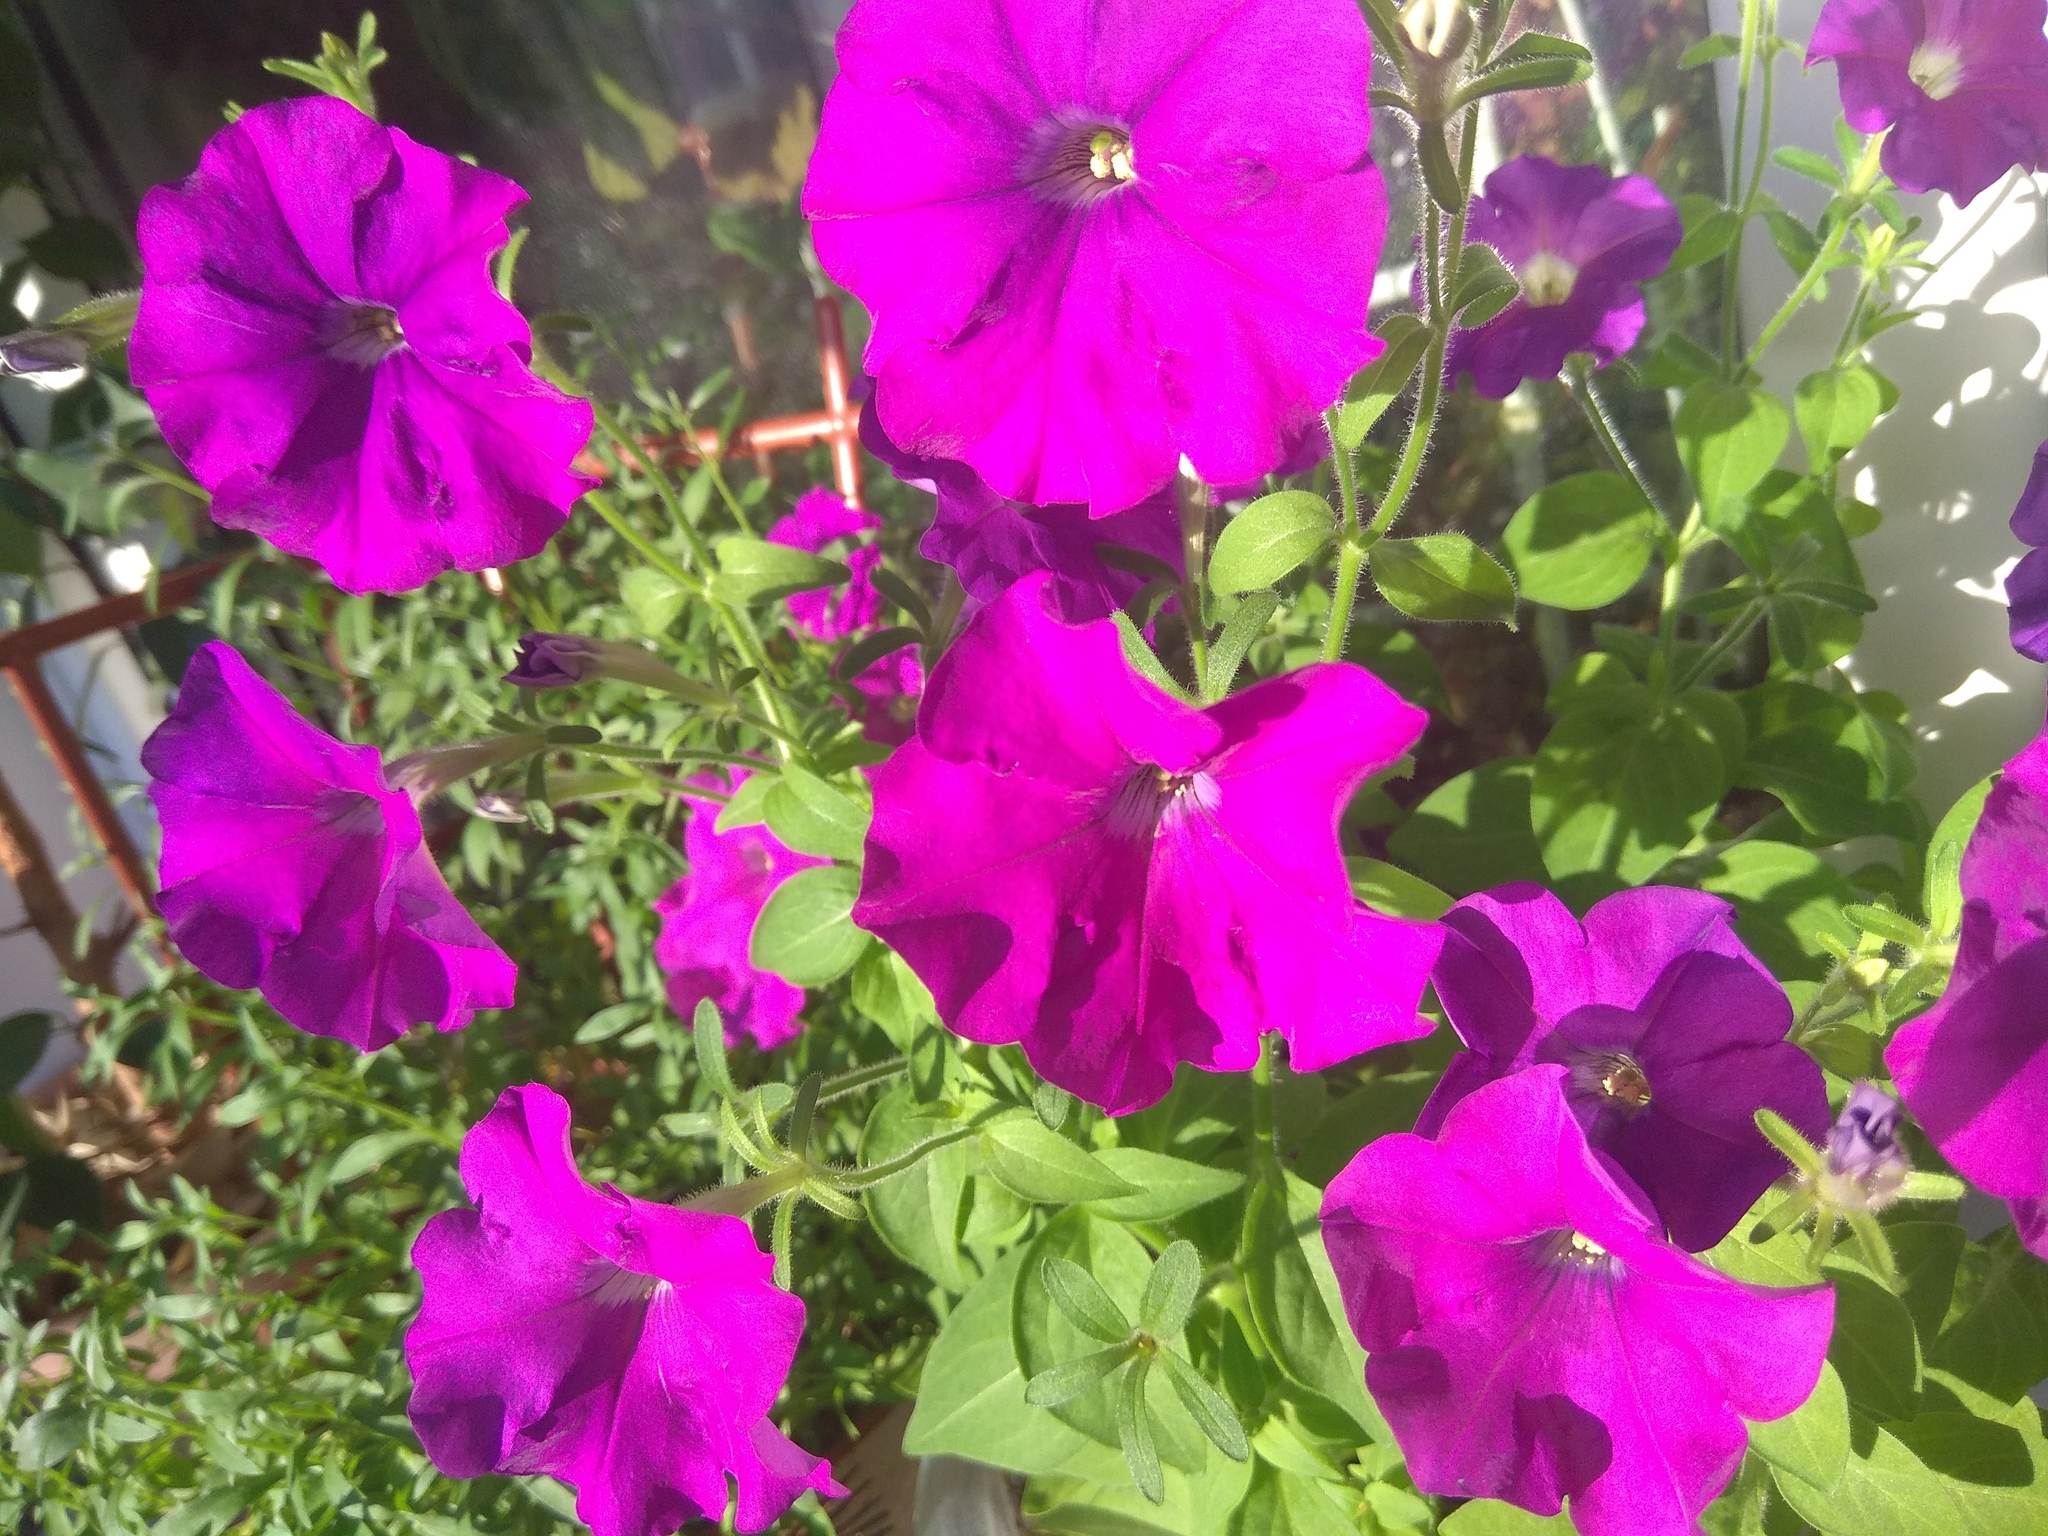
992 543
631 1349
890 690
1530 1336
1579 242
290 864
1973 1069
707 925
822 517
1962 84
1073 859
322 345
2026 588
1672 1034
1096 238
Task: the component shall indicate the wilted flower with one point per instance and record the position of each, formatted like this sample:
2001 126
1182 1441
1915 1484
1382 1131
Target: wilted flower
293 865
1671 1033
707 925
1096 240
1073 859
2026 588
322 345
1865 1163
1579 242
822 517
992 543
632 1350
1530 1336
1974 1068
1962 84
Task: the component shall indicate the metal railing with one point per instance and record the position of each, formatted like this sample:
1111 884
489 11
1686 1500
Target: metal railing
22 650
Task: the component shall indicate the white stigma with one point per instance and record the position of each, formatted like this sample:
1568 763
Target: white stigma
364 334
1548 280
1110 157
1584 1248
1937 69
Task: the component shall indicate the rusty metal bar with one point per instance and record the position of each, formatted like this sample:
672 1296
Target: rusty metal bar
173 592
63 745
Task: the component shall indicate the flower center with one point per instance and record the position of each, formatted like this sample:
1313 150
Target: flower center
1548 280
1575 1250
364 334
1624 1084
618 1287
1937 69
1151 797
1078 162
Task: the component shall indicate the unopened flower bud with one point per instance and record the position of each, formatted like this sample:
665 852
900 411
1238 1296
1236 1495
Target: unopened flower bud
1866 1167
1437 29
561 661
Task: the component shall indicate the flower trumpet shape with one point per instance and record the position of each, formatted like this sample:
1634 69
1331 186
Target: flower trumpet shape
292 865
1532 1338
632 1350
322 345
1073 859
1096 238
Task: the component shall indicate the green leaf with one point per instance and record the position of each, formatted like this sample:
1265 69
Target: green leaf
970 1396
1998 1339
1269 539
1717 45
1206 1406
1290 1309
1490 1517
917 1213
707 1034
1052 1105
44 1439
1884 1490
21 82
1083 1302
1381 384
21 538
1143 659
654 598
1729 436
1535 61
1622 784
1379 1106
1581 542
359 1157
1798 244
1162 1187
1969 1449
1474 831
1927 1254
1481 274
1443 576
1874 1346
22 1038
1227 651
814 817
60 1189
1941 897
1710 229
1043 1166
1784 898
1394 891
864 653
1820 754
1068 1380
752 571
748 806
1836 409
1134 1432
805 933
609 1022
1812 1442
1170 1293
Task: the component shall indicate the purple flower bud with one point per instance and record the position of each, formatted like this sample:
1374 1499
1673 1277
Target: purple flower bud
1865 1143
554 661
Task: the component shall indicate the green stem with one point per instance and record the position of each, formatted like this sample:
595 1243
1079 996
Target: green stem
1264 1157
1731 281
433 1133
718 481
1731 637
863 1077
1347 476
1343 597
1579 375
1815 270
849 1180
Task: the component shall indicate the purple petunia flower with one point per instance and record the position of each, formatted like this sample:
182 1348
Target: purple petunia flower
2026 588
1974 1068
290 864
1531 1338
707 925
633 1350
322 345
819 518
1671 1033
1073 859
992 543
1096 238
1579 242
1962 84
890 690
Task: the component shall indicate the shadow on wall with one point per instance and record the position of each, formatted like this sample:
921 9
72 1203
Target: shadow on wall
1948 467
